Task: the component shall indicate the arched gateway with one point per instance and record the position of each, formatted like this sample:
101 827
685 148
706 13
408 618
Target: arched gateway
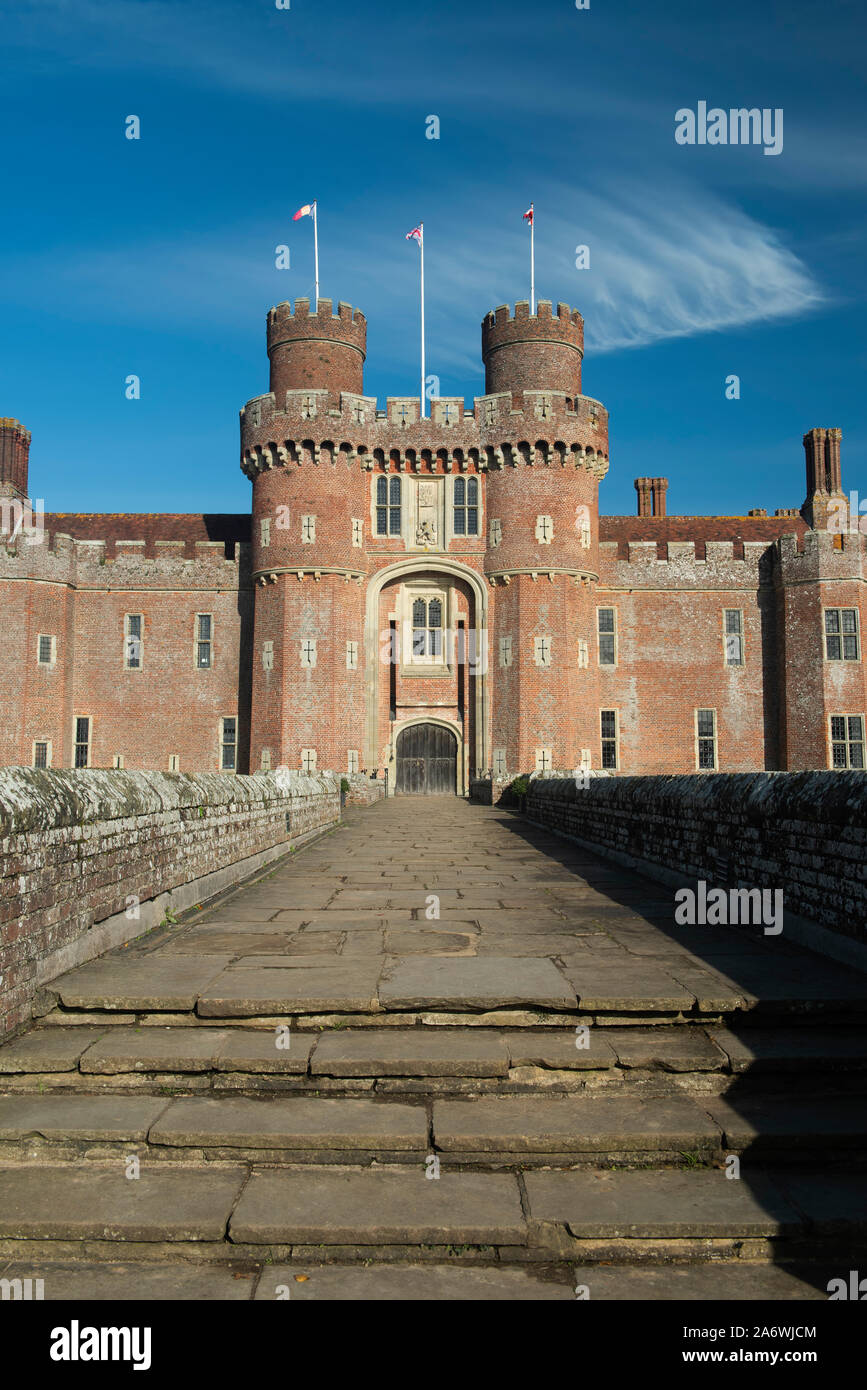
427 761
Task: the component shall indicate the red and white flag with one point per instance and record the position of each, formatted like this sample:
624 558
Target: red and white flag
306 211
415 234
528 215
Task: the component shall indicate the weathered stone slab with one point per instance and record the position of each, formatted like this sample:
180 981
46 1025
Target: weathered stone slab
349 988
833 1205
575 1124
384 1283
439 943
116 1118
379 1207
142 1281
154 1049
143 982
787 1049
657 1204
556 1049
256 1050
665 1049
410 1052
229 941
773 1120
741 1281
47 1049
627 985
88 1202
298 1122
472 983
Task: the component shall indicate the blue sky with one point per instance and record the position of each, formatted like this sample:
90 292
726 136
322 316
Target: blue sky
156 257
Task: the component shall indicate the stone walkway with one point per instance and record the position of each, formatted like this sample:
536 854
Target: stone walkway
440 991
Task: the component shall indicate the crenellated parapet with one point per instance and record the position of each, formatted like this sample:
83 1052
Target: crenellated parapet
317 350
822 555
306 429
679 568
118 564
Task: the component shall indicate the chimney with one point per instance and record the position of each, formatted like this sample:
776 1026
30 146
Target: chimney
14 455
824 476
658 489
642 487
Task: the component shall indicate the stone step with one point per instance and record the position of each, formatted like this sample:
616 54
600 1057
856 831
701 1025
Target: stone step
582 985
238 1057
505 1131
216 1213
174 1281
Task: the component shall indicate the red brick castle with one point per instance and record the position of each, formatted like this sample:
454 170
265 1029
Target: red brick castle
438 597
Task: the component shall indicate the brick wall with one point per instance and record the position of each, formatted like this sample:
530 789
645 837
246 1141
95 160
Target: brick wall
803 832
76 847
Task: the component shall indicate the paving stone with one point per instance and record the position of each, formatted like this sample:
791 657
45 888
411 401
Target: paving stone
349 988
256 1050
575 1124
556 1049
47 1049
786 1049
741 1281
409 943
411 1283
89 1202
316 960
658 1204
115 1118
471 983
713 992
154 1049
538 944
626 985
833 1204
682 1049
331 925
298 1122
774 1120
150 982
139 1281
410 1052
234 941
379 1207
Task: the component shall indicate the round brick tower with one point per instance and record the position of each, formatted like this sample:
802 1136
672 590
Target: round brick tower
14 456
321 350
550 446
300 447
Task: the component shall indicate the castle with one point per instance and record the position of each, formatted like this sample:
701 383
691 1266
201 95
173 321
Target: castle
435 598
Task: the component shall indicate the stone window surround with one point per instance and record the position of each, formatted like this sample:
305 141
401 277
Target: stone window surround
410 664
706 738
52 661
49 751
409 509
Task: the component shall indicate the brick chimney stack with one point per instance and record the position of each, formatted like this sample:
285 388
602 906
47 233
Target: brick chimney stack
658 489
642 487
824 476
14 457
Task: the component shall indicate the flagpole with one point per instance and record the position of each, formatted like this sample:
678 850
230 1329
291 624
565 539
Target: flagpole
315 259
421 249
532 262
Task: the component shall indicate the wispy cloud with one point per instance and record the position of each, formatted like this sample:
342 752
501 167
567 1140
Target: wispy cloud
664 263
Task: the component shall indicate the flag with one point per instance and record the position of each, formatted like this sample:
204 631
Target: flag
528 215
306 211
415 234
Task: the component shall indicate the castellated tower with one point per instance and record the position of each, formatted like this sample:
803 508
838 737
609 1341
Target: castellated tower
309 505
550 449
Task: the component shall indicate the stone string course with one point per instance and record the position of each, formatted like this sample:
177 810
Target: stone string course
75 846
803 832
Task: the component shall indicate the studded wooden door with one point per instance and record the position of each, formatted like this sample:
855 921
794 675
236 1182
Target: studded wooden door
427 761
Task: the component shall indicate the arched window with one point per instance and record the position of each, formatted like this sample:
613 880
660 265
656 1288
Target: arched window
427 627
466 506
388 506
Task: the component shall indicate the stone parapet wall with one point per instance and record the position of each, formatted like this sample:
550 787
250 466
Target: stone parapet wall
90 859
804 832
363 790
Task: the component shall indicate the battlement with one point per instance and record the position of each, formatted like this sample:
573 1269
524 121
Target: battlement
684 564
544 312
323 313
823 555
107 561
